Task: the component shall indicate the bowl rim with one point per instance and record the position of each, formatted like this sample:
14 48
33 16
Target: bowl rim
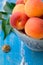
27 35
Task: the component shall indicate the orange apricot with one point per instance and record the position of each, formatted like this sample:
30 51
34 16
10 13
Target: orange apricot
25 1
19 1
18 8
18 20
34 28
33 8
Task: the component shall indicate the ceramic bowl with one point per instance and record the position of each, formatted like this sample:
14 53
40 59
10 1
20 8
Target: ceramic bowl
33 44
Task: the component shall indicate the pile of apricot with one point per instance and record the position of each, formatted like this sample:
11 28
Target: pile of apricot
27 15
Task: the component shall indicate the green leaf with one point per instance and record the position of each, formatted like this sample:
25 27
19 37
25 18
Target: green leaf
0 24
9 7
6 27
2 12
3 15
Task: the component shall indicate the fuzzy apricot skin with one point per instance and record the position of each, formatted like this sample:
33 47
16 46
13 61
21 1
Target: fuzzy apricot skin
34 28
33 8
25 1
18 20
19 2
18 8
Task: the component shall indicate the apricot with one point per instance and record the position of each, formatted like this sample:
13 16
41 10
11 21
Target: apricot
18 20
18 8
25 1
19 1
42 3
33 8
34 28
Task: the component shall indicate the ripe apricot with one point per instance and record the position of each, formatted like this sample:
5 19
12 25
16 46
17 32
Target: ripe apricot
34 28
18 8
19 1
33 8
18 20
25 1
